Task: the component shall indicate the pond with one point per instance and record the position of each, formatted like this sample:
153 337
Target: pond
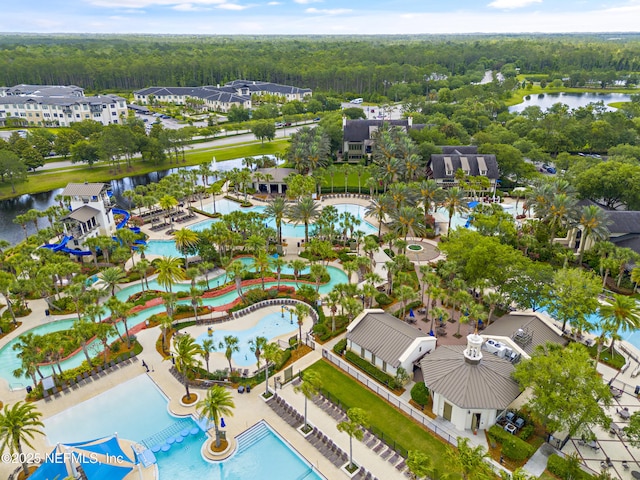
572 100
13 207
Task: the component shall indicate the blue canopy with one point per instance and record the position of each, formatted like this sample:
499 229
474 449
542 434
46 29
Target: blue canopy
54 467
104 471
473 204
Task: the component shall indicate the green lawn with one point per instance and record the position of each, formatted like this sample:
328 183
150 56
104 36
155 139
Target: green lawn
46 180
395 425
338 181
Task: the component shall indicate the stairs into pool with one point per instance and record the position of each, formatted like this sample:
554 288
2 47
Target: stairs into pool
252 436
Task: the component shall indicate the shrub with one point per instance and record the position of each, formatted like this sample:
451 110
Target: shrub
340 347
513 447
320 329
566 468
526 432
383 299
182 294
371 370
284 358
420 394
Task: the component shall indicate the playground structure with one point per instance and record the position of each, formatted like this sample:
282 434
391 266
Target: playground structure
62 245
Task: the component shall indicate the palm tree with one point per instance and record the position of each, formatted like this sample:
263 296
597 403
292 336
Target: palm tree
236 271
262 266
621 315
379 208
277 209
215 404
301 310
405 293
196 300
28 346
7 282
141 269
121 310
169 272
635 277
317 271
167 202
304 211
297 265
257 346
594 222
561 213
111 277
19 424
277 264
83 331
407 220
454 202
206 348
186 241
430 193
104 331
272 355
185 350
309 387
357 418
230 345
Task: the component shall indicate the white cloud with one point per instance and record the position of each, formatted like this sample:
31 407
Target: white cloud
305 2
328 11
274 3
188 7
138 4
510 4
232 6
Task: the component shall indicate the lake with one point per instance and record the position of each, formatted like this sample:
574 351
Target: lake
573 100
13 207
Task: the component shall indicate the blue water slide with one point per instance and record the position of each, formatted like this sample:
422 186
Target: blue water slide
123 222
62 247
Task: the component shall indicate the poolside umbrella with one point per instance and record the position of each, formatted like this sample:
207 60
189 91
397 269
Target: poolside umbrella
473 204
411 314
222 424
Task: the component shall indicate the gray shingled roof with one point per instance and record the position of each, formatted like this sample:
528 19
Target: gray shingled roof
84 213
437 165
540 332
459 150
358 130
257 86
63 101
386 336
83 189
485 385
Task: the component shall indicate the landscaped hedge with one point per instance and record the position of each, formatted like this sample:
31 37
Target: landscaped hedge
420 394
512 447
383 299
371 369
562 468
340 347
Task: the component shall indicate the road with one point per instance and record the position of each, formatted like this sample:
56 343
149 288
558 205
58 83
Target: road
244 136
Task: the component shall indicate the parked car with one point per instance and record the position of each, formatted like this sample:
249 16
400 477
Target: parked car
551 170
288 124
317 119
279 125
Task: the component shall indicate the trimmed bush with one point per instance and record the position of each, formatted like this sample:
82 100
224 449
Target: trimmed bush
420 394
383 299
371 370
513 447
340 347
526 432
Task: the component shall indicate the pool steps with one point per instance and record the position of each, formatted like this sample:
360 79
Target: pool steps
252 436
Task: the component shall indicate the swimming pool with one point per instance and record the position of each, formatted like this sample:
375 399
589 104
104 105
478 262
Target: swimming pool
137 411
270 326
288 229
10 362
462 221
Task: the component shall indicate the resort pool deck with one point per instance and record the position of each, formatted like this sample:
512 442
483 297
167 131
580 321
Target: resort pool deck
137 411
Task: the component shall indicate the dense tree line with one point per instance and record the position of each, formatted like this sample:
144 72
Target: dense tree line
363 65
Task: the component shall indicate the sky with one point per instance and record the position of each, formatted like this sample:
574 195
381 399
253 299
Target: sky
341 17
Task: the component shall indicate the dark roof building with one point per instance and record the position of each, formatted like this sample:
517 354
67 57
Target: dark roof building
387 341
443 166
468 388
356 134
624 229
526 331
